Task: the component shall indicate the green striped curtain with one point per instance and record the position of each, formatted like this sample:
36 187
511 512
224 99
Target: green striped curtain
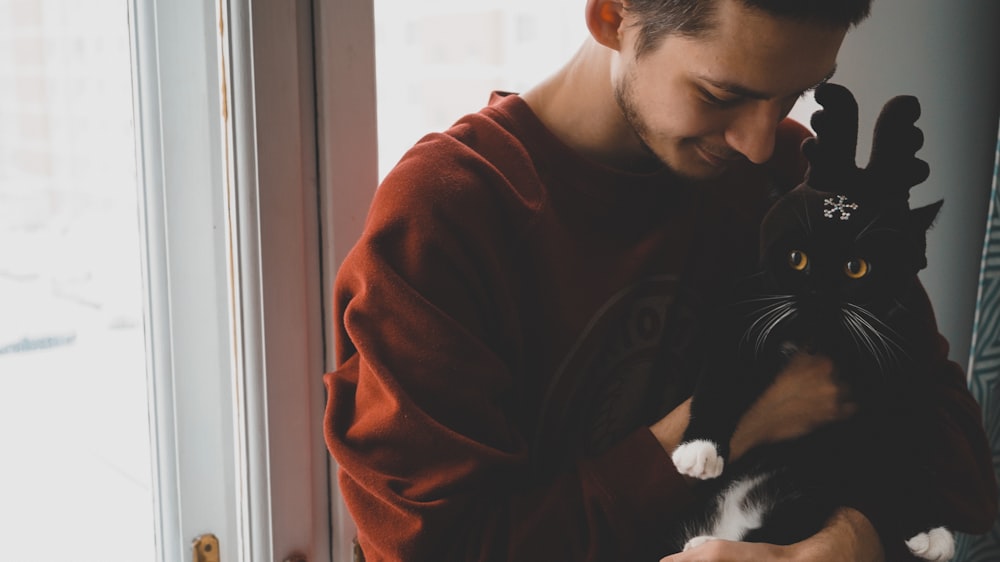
984 366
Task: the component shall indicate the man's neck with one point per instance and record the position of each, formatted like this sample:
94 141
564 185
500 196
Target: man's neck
578 105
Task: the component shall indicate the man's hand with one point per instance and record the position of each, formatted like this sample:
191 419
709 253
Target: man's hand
804 396
847 537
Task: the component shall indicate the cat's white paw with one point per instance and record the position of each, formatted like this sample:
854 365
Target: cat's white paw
698 541
699 459
937 545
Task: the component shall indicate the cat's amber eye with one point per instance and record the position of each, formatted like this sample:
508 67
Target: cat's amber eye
798 260
856 268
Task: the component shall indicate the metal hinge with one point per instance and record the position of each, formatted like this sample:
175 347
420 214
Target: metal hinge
206 549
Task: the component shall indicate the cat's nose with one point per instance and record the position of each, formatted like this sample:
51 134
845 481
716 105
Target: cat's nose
816 296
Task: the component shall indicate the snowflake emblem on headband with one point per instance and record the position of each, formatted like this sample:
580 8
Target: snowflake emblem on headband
840 205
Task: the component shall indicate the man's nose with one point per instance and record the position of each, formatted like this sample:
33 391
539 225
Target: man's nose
752 132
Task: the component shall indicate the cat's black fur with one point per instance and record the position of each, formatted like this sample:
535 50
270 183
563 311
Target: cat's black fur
838 277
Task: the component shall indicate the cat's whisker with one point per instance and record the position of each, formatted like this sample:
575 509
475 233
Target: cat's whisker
763 314
873 231
775 322
804 225
857 334
808 224
770 302
867 226
862 333
850 329
865 332
764 309
901 306
879 345
859 330
752 329
889 347
761 328
763 298
895 338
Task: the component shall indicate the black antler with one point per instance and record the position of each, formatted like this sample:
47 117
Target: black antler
832 151
893 168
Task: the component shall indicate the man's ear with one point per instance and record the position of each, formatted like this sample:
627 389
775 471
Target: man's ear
604 20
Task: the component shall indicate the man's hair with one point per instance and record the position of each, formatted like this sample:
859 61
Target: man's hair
694 17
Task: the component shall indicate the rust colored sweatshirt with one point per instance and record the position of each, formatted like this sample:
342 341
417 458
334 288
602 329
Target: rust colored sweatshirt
512 320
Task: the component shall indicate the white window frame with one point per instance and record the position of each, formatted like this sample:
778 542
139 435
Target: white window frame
257 160
348 167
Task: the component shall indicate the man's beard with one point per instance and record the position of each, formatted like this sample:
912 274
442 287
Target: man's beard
623 93
623 96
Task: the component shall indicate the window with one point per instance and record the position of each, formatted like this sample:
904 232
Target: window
160 238
73 394
226 116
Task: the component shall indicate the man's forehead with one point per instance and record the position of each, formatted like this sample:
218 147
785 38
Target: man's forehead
759 56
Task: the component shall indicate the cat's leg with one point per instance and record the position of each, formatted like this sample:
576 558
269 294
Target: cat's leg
698 458
715 409
727 389
937 545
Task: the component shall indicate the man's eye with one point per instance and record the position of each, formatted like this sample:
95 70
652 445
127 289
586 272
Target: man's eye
716 100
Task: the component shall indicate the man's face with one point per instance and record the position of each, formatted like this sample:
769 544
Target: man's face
699 104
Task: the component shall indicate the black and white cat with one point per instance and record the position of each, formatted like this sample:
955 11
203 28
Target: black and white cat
838 277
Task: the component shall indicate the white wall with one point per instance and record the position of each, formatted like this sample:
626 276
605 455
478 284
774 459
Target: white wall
947 53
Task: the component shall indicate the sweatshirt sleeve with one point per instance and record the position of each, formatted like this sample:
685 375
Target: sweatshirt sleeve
424 413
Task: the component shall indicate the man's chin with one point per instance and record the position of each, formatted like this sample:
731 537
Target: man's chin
698 172
692 166
689 164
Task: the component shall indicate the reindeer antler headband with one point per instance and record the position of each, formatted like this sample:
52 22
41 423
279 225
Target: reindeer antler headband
893 167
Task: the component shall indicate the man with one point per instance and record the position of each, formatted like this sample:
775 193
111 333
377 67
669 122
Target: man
517 316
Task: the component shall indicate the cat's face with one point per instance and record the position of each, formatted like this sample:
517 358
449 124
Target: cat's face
826 250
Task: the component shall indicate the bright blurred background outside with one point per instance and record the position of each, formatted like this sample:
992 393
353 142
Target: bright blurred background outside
75 475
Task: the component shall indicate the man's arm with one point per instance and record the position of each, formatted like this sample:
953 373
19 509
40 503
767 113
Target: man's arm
426 415
804 396
848 537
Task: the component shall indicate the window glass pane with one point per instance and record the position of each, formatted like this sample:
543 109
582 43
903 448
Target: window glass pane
75 481
437 60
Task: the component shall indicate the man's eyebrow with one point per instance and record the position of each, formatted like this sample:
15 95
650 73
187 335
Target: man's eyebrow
742 91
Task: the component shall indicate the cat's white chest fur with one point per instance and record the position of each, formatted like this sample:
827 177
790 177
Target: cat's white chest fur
735 514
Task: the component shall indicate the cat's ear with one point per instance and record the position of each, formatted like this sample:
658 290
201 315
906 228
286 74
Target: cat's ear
922 218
